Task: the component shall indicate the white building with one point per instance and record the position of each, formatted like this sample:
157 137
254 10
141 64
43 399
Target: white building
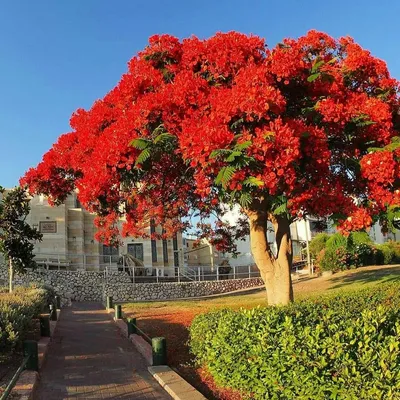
68 241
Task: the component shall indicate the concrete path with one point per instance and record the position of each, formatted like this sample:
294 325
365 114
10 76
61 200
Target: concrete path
89 359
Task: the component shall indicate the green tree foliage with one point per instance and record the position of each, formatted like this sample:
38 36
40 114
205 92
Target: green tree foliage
16 235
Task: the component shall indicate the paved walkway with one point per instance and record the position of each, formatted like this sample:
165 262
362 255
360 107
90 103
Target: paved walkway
89 359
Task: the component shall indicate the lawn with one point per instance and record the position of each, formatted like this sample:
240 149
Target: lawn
171 318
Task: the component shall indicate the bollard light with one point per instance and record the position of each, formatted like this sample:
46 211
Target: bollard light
159 347
44 325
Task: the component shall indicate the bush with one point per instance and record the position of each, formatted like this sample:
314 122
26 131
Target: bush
385 254
342 252
336 241
317 244
16 313
338 347
395 246
334 259
359 237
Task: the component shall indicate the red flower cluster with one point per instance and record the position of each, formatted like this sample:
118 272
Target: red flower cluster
226 119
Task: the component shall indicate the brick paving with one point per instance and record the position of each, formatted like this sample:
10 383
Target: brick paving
89 359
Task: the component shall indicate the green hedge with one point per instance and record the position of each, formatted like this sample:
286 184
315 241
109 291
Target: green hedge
339 347
17 311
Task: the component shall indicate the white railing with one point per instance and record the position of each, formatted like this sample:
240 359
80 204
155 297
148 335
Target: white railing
110 265
70 261
183 274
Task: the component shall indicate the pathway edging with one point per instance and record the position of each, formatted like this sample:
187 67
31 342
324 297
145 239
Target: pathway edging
29 380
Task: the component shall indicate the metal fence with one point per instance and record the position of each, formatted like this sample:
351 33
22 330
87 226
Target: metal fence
184 274
110 264
86 262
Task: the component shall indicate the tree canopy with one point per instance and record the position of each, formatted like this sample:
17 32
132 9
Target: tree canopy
308 127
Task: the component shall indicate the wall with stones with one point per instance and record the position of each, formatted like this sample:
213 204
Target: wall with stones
91 286
173 290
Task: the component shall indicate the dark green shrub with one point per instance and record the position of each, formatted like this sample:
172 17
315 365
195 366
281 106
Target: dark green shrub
339 347
16 313
362 254
317 244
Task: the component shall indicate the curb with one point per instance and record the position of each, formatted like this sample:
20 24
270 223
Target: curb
169 380
174 384
28 381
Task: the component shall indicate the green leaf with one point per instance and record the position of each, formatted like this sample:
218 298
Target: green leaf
245 200
313 77
365 123
316 66
143 156
253 181
334 59
233 155
225 175
163 137
281 209
237 123
219 152
140 143
244 145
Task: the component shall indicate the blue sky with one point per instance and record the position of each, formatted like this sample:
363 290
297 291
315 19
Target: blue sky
56 56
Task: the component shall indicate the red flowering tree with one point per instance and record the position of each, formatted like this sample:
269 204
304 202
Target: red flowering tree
309 127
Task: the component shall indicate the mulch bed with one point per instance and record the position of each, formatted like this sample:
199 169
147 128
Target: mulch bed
173 326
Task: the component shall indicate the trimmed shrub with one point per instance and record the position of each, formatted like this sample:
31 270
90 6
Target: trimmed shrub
16 313
345 346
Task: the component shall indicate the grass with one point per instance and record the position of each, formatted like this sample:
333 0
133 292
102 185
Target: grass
172 318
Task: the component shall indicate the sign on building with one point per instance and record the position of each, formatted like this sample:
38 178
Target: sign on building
48 227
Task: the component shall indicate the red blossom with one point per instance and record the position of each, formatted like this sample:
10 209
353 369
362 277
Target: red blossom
303 115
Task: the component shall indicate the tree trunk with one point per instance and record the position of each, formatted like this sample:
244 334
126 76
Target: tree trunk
275 270
11 276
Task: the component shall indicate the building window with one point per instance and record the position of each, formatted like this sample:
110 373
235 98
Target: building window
165 250
110 253
176 253
153 243
136 250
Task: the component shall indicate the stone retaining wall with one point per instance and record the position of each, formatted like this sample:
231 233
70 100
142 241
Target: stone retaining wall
91 286
171 290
